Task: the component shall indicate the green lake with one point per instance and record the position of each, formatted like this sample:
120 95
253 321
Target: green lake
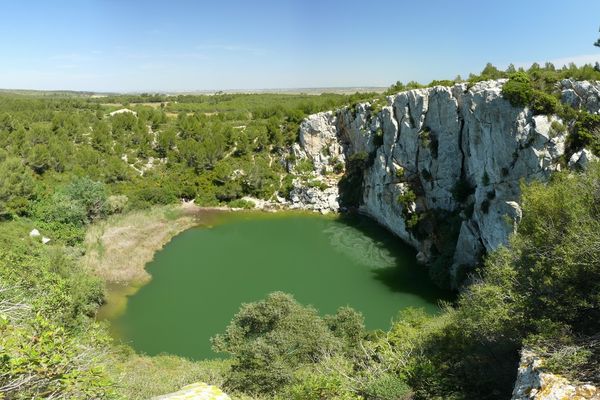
200 279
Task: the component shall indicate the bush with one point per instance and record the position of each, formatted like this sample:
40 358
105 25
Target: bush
304 166
388 387
586 133
544 103
406 198
16 186
241 203
518 89
116 204
260 339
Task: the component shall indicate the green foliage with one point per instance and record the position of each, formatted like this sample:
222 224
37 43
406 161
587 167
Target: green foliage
47 342
271 338
41 358
586 133
406 198
240 203
144 377
545 103
304 166
518 90
313 385
538 292
16 187
80 202
389 387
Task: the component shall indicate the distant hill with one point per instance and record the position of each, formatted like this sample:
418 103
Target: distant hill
309 91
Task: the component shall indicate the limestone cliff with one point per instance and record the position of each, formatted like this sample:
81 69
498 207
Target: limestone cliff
533 383
441 167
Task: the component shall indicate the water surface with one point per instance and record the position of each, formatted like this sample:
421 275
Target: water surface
200 279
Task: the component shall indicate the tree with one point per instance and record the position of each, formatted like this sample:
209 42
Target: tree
16 186
597 44
271 338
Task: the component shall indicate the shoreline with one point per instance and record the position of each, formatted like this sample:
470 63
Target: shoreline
119 248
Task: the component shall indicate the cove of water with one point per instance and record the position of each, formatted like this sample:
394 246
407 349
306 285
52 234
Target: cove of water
200 279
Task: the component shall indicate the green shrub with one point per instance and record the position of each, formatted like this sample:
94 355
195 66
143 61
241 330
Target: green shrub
259 339
586 133
388 387
338 166
406 198
518 89
544 103
241 203
557 128
16 186
305 166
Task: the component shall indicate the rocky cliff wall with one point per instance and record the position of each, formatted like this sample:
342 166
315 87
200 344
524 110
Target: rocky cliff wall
441 167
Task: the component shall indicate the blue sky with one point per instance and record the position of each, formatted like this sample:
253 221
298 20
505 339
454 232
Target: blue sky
185 45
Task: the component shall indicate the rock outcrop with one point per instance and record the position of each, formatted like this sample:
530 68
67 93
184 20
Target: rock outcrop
581 94
436 157
533 383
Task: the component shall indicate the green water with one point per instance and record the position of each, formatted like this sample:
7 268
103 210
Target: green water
203 275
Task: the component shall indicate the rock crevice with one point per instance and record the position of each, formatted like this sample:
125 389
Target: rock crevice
437 155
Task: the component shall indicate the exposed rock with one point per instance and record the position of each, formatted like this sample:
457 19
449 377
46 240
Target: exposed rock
581 94
122 111
45 240
34 233
581 159
534 384
461 151
314 198
196 391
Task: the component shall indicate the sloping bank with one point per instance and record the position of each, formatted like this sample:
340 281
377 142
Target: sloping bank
118 249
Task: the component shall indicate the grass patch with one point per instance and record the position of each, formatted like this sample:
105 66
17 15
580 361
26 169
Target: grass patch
143 377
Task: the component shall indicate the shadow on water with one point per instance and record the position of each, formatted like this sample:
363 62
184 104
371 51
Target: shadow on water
402 274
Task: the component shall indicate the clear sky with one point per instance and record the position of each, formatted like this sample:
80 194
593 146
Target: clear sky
185 45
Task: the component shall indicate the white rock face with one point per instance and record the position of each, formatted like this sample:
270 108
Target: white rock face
462 151
581 159
34 233
581 94
534 384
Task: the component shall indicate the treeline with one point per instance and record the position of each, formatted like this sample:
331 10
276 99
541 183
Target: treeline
545 76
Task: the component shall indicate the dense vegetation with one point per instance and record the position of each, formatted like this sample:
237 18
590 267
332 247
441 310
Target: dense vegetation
66 163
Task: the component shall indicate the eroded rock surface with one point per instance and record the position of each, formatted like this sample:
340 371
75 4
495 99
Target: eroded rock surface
534 384
439 156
